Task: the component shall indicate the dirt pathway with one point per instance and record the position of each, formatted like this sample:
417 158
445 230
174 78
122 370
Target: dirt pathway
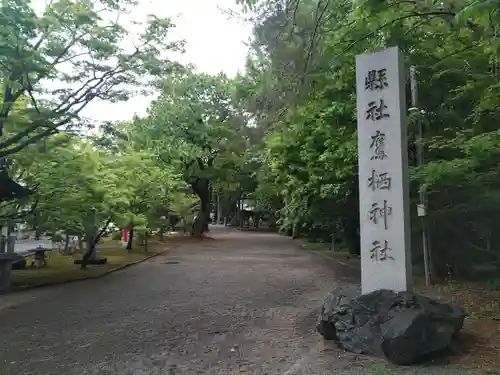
243 303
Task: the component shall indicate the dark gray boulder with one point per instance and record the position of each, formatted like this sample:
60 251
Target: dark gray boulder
403 327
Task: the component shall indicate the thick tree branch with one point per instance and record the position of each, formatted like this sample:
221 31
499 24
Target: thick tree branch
21 214
412 15
318 17
101 232
466 48
10 97
200 163
26 143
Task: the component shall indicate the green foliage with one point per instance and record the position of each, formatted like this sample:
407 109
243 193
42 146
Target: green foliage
149 185
283 134
78 189
299 89
57 237
196 127
116 236
82 188
184 206
63 56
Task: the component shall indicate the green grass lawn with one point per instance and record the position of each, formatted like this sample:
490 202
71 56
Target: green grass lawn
340 254
60 268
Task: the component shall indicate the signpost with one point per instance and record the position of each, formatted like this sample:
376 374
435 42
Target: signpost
383 172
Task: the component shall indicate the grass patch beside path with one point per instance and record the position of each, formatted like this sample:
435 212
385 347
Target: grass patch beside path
341 255
60 268
479 343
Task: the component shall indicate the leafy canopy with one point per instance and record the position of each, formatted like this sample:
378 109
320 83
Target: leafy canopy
59 58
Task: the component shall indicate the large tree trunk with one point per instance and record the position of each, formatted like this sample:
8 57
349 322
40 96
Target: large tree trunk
66 243
202 188
242 214
89 251
257 218
38 229
162 233
130 239
219 210
237 213
91 241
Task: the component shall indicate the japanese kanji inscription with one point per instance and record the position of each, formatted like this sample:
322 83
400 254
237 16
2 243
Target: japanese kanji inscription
378 146
376 80
383 182
377 110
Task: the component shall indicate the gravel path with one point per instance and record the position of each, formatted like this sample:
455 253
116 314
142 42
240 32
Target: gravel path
240 304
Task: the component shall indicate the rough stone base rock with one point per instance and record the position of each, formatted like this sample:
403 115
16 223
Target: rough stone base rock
404 327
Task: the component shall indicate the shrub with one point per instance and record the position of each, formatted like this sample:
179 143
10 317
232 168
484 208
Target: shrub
57 237
116 236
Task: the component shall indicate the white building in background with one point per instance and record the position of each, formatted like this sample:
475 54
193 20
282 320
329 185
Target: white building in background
247 205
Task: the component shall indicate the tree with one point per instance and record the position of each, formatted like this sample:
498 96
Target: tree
184 206
79 191
60 59
298 88
195 126
149 185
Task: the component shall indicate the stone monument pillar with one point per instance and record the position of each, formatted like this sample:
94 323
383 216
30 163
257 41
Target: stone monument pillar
383 172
